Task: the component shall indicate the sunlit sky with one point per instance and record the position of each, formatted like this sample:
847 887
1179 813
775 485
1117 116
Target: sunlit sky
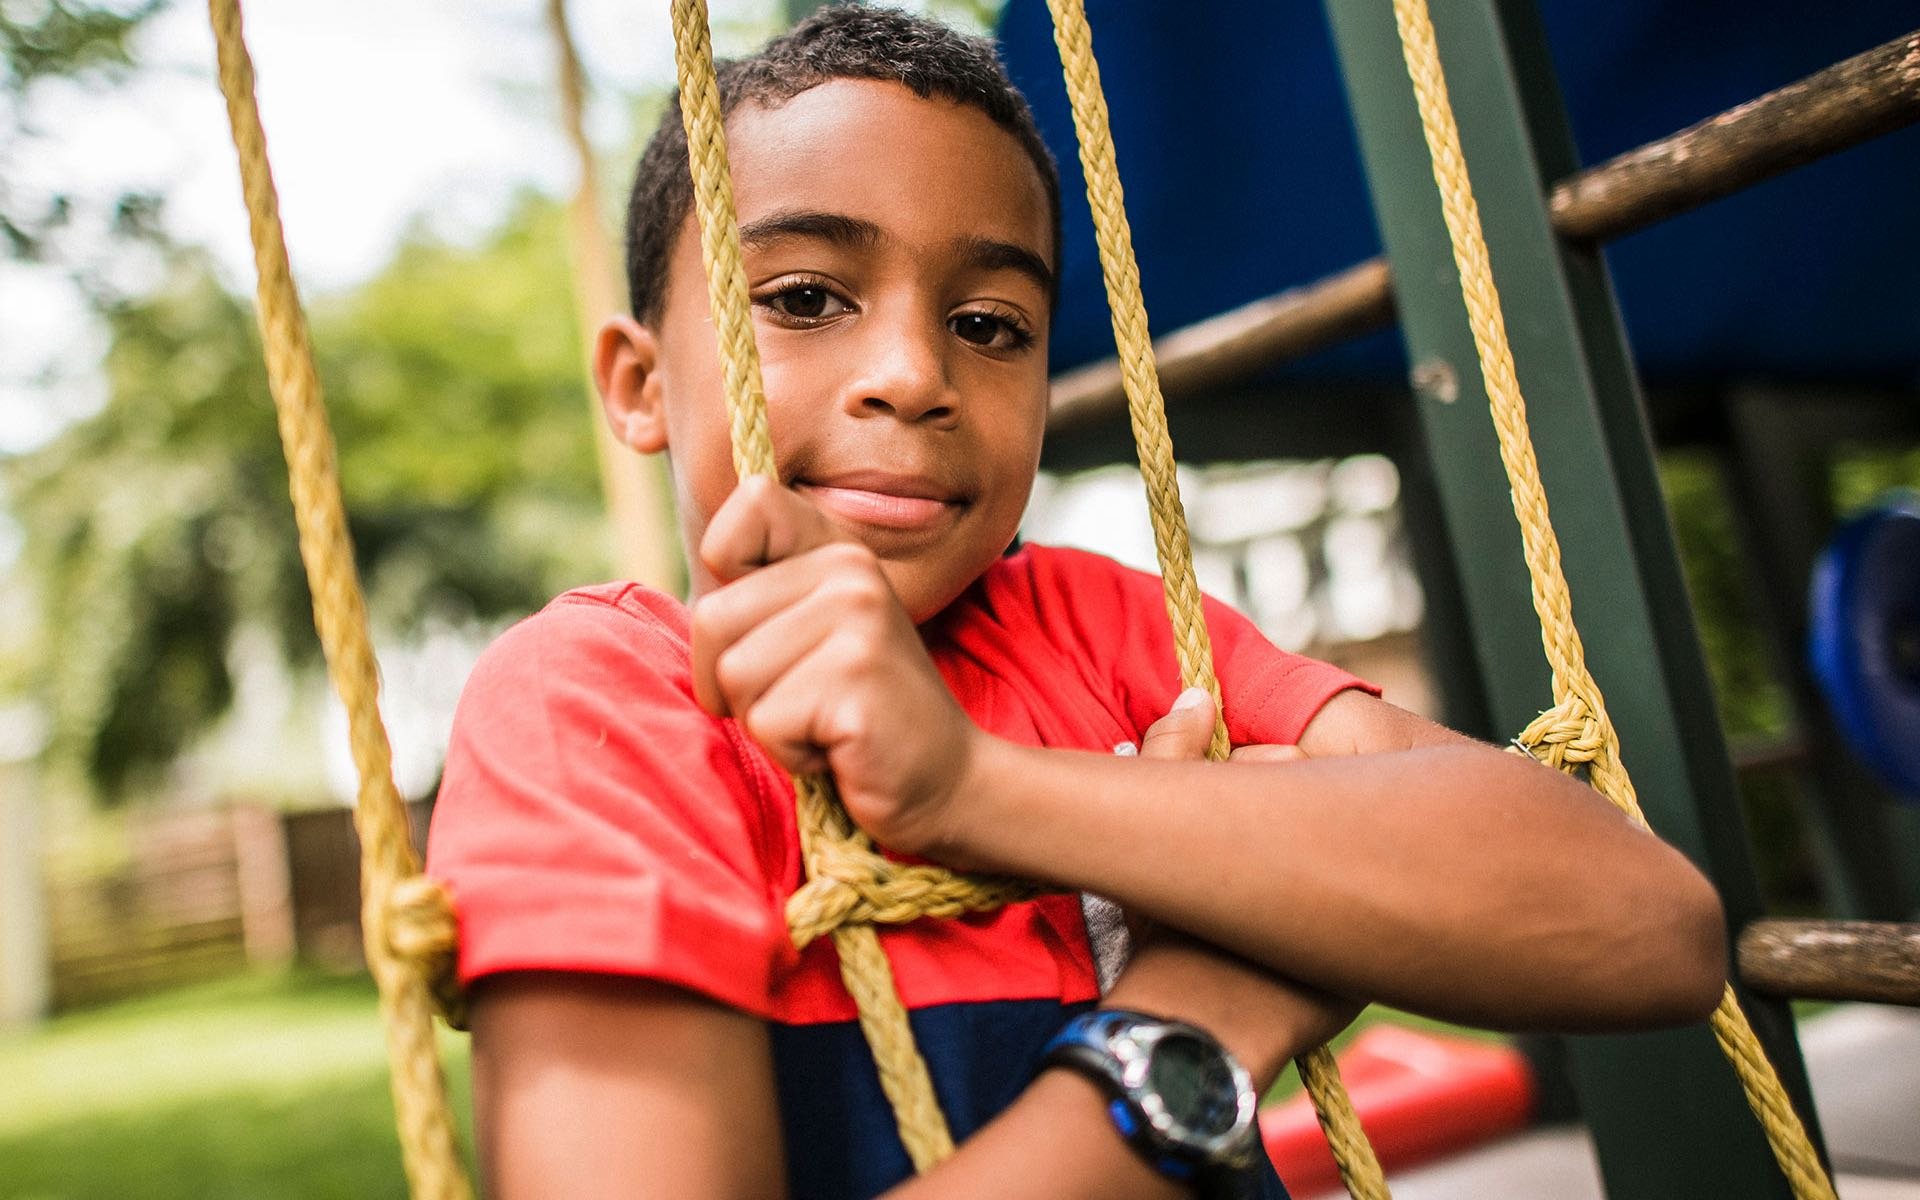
377 114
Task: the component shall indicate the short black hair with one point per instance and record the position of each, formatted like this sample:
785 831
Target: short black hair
847 41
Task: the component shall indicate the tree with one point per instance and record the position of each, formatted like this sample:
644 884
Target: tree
59 39
158 526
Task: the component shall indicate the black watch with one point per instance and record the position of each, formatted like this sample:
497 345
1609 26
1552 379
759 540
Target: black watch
1174 1093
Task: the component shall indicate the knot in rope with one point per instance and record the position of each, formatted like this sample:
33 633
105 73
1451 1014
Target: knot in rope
851 883
418 925
1567 737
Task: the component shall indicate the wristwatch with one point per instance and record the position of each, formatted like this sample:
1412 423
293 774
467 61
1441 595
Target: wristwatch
1173 1092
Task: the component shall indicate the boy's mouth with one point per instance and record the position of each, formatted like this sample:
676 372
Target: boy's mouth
884 499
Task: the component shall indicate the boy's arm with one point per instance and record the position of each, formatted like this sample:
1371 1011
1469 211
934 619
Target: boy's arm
1479 886
596 1086
602 1086
1427 870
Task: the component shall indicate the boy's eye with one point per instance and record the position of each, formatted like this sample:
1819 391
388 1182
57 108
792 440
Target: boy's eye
986 329
806 302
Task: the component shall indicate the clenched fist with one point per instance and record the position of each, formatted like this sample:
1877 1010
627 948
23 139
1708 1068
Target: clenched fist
807 646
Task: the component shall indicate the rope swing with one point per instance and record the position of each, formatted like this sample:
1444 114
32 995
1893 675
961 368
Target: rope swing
851 887
340 614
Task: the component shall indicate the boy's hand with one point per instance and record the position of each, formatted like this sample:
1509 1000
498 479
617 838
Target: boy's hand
807 646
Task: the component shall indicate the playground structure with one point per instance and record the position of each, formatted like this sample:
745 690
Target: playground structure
1705 1145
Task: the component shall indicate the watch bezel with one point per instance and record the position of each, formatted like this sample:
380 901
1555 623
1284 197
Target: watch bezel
1133 1045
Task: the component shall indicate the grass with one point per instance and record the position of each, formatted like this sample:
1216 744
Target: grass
261 1086
255 1087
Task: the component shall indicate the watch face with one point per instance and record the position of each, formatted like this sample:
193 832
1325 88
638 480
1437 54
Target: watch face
1196 1084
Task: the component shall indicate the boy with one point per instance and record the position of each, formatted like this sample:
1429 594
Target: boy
619 838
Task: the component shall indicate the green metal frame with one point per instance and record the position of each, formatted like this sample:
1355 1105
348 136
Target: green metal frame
1665 1110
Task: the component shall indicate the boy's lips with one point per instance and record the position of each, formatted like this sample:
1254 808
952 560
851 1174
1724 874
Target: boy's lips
890 501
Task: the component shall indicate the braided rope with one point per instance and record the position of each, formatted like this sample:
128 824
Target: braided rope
727 293
387 858
1359 1168
1576 731
850 884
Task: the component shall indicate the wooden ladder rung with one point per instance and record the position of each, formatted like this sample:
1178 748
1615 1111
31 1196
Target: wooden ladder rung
1877 961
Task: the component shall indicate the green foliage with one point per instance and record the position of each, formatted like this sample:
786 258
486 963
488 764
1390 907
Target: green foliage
128 520
466 435
156 527
1752 701
1863 475
40 39
978 16
59 39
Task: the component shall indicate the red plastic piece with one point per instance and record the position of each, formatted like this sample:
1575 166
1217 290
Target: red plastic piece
1419 1096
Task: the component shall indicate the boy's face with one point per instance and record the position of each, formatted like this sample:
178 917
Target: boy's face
897 252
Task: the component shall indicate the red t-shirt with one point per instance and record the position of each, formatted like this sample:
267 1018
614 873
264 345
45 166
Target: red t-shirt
593 817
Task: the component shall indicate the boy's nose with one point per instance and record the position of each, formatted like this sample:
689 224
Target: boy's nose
904 375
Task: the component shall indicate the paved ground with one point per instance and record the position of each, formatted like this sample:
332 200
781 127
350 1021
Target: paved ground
1865 1064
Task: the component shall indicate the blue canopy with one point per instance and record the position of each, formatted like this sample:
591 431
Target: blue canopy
1243 178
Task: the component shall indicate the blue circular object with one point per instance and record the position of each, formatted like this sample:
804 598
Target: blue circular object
1864 637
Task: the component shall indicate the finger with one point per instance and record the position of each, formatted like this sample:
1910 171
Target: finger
793 718
1184 732
761 523
1276 754
842 604
722 617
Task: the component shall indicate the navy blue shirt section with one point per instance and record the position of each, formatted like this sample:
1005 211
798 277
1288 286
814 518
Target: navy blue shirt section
840 1135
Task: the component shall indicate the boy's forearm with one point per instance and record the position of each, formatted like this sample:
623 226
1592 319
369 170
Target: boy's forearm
1055 1142
1263 1020
1452 879
1058 1142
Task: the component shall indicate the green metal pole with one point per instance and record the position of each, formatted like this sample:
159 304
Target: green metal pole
1665 1110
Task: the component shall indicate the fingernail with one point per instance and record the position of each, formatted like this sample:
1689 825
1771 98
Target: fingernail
1191 698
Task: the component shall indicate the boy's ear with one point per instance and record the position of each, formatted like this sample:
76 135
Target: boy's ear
625 369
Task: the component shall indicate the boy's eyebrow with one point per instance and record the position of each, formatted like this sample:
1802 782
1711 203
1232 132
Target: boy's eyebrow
990 254
837 228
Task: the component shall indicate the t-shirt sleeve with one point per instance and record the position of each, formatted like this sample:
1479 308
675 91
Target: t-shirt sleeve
593 818
1120 615
1271 694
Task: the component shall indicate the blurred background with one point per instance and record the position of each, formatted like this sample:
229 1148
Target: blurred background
180 1012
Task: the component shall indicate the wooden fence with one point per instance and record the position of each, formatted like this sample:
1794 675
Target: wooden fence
201 893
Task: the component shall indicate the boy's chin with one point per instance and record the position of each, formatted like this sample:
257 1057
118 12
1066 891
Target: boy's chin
926 589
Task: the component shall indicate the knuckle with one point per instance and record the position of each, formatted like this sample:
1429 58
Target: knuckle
864 662
847 719
855 592
763 725
850 558
712 551
729 672
704 619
